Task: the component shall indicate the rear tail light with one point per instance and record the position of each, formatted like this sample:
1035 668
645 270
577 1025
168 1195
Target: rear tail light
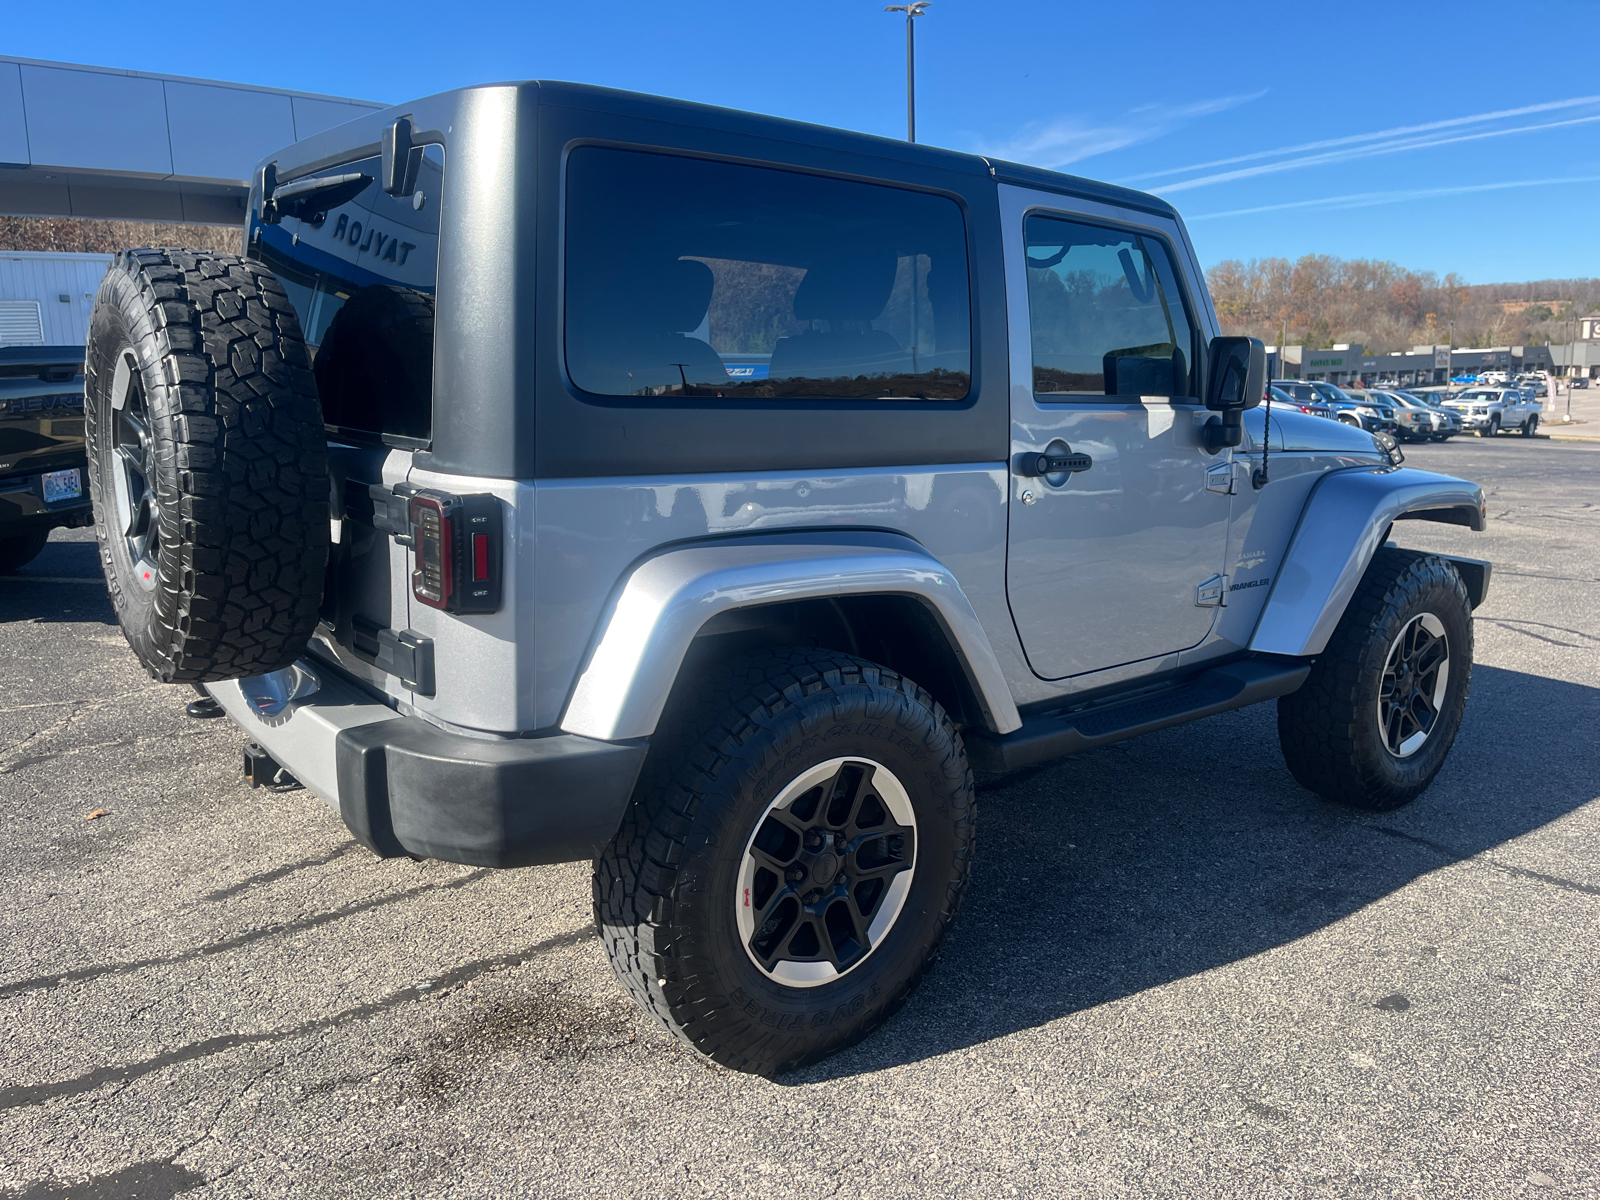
457 543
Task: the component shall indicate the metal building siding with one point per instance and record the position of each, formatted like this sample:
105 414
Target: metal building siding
46 278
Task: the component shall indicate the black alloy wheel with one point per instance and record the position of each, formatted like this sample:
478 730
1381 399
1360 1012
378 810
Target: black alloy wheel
138 510
1416 678
826 872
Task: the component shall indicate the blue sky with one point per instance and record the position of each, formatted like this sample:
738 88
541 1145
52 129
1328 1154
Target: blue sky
1460 137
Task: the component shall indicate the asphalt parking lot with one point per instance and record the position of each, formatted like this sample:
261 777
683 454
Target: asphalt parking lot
1176 973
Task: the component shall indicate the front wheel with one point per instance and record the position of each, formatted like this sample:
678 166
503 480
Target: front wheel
1373 722
797 847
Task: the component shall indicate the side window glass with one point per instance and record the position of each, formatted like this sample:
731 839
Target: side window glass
361 277
690 278
1107 313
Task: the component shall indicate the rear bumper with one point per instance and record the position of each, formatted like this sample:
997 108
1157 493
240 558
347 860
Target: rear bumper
22 506
403 786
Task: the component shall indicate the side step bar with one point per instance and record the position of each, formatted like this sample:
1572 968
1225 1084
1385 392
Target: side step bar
1053 735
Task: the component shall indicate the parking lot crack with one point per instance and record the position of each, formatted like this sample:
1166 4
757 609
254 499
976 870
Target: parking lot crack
23 1095
1514 624
1570 885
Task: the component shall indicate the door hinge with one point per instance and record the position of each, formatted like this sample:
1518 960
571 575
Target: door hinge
387 510
405 654
1211 593
1219 479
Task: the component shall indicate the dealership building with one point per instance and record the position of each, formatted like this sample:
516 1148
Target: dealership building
1422 366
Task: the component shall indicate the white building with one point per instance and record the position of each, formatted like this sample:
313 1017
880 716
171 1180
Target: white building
45 298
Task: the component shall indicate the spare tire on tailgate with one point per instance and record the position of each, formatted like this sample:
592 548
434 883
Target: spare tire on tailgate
207 464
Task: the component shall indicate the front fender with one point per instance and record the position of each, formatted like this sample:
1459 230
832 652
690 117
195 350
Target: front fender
666 599
1344 522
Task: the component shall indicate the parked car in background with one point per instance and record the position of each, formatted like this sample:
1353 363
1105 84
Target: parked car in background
1371 415
1414 420
1301 395
1486 411
42 466
1450 420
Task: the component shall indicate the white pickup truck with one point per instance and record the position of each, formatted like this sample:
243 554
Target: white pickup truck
1486 411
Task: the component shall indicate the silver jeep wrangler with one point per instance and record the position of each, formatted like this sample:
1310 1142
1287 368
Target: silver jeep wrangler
565 474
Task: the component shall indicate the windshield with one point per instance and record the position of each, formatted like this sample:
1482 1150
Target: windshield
1328 392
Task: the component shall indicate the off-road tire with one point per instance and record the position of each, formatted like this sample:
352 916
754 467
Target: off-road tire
664 888
239 463
22 549
1328 728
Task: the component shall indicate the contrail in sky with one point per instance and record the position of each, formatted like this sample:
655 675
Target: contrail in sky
1371 151
1368 199
1352 139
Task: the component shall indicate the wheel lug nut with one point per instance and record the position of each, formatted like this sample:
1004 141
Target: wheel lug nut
796 874
813 840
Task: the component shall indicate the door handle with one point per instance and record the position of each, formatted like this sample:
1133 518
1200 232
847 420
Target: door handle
1033 463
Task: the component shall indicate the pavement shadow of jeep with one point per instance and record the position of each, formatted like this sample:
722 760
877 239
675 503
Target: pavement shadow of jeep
565 474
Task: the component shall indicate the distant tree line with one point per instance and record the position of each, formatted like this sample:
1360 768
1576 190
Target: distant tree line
1325 300
79 235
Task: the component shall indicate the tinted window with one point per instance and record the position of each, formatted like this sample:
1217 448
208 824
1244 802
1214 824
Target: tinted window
361 277
1107 313
693 278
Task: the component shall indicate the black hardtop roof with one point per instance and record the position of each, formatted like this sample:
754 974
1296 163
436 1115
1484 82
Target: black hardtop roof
685 112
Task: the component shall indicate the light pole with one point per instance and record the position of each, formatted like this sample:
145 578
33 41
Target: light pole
1449 356
912 11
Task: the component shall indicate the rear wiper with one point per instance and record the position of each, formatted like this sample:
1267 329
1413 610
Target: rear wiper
308 198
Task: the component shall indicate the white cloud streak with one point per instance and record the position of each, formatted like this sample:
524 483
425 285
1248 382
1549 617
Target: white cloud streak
1369 199
1380 135
1057 143
1371 151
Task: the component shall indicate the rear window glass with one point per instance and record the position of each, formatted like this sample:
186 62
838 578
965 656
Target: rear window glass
688 278
361 277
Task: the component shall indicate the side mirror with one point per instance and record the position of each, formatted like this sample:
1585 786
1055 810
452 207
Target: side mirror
1238 381
1238 374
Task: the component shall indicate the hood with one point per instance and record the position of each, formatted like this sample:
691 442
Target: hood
1295 430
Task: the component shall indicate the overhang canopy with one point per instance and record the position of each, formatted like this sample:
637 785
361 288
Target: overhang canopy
81 141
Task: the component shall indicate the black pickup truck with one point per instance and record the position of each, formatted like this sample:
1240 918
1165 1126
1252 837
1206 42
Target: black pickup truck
43 473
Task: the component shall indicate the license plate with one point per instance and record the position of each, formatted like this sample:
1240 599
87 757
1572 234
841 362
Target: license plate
62 485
